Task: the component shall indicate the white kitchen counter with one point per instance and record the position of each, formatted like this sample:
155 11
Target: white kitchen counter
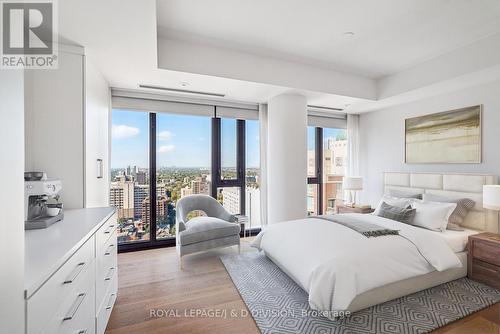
46 250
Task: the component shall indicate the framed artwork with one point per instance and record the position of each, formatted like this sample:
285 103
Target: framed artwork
449 137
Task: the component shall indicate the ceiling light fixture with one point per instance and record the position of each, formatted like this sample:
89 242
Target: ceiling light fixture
176 90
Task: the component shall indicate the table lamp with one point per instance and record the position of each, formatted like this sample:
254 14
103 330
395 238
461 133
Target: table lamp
353 184
491 199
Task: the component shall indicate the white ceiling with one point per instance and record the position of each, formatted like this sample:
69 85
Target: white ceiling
390 35
121 38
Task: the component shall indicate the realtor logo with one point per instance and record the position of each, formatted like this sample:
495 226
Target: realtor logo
29 39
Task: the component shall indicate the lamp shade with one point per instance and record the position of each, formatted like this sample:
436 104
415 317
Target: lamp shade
353 183
491 197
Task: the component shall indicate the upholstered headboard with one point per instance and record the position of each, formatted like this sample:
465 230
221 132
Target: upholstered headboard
453 186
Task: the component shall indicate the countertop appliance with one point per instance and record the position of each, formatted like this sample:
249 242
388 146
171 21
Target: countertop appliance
41 206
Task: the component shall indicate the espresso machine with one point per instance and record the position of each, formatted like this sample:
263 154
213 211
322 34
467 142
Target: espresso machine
41 206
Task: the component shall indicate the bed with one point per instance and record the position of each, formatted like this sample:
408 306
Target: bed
345 271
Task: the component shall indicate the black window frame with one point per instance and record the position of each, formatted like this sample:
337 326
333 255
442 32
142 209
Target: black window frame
216 173
317 179
217 180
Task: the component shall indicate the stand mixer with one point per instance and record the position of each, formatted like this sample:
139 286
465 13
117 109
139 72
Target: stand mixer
41 206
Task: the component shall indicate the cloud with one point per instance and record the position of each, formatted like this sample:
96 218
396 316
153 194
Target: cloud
165 135
124 131
166 148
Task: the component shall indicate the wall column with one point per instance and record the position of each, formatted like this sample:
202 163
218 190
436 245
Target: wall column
287 158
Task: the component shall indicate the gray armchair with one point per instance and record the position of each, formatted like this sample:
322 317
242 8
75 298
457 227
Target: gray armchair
218 229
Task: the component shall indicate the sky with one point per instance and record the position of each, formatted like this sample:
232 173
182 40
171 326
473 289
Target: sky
182 140
327 133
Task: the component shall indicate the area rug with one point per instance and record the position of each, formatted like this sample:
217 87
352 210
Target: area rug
279 305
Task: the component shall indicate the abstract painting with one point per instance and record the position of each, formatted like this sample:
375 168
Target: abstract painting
447 137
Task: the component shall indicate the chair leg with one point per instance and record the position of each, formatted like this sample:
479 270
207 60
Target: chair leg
181 264
239 248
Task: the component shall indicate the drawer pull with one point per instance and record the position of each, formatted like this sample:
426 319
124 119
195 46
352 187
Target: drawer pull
74 274
109 229
110 302
110 274
74 308
108 251
82 331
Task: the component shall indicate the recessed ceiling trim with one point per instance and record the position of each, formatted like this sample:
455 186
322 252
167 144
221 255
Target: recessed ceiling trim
324 108
177 90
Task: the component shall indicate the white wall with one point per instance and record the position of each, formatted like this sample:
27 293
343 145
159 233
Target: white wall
97 102
11 201
286 165
382 143
54 125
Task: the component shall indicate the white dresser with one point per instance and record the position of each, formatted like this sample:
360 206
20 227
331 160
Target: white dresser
71 279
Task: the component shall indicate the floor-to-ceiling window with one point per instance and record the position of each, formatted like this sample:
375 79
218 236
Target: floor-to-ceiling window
183 155
158 158
326 157
130 174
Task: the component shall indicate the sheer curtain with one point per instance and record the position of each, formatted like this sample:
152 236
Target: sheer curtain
352 168
263 163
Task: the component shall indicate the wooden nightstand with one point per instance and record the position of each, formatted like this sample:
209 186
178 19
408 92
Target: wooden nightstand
483 263
348 209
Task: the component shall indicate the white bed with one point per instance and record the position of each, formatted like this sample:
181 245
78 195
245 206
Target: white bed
343 270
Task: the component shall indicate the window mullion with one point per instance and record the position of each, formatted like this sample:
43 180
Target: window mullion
152 177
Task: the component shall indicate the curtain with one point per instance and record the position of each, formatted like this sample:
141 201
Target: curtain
263 163
352 168
352 145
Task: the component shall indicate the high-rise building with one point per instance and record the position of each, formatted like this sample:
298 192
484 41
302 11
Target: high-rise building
200 185
121 196
334 156
141 192
231 199
161 208
141 177
186 191
161 190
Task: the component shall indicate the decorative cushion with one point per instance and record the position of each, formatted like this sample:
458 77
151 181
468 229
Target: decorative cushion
201 229
464 205
404 193
433 215
394 201
403 215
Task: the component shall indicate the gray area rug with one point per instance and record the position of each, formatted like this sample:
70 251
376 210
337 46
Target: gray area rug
277 303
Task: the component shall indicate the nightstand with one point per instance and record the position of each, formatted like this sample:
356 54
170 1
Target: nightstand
348 209
483 263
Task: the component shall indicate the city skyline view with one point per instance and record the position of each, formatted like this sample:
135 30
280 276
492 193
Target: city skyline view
182 141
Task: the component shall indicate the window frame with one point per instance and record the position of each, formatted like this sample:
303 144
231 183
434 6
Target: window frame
317 179
217 180
216 173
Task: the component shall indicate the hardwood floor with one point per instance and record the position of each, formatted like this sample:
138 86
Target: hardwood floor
154 296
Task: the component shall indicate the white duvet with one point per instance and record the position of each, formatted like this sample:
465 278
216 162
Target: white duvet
334 263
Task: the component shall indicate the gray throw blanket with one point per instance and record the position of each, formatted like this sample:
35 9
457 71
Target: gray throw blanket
366 229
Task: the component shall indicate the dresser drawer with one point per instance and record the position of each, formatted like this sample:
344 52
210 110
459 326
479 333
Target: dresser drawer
43 304
486 252
106 268
104 312
106 256
105 231
485 273
78 318
76 312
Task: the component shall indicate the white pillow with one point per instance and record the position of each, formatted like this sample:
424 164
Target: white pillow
433 215
394 201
